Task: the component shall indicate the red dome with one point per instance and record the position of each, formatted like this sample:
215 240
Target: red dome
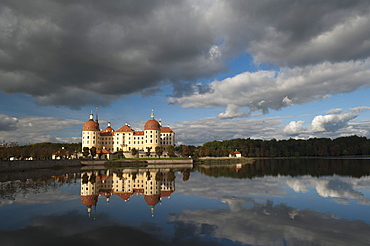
152 125
89 200
151 200
91 126
108 129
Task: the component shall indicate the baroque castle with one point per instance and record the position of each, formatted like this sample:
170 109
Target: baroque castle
125 138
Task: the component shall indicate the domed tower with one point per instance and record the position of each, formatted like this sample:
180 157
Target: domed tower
107 138
90 133
152 133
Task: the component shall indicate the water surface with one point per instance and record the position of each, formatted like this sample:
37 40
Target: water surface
269 202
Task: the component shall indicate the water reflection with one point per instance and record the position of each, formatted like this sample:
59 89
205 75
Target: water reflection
269 202
151 184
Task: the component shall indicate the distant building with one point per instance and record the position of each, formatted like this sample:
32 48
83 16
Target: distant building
236 154
108 141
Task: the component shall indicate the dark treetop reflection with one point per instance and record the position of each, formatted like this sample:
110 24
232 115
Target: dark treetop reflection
317 202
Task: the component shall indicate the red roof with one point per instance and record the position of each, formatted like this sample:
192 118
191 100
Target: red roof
237 152
108 129
166 193
89 200
124 195
125 128
91 126
138 132
104 151
166 129
151 200
152 125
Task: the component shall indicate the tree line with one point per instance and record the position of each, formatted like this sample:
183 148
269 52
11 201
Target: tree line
313 147
38 151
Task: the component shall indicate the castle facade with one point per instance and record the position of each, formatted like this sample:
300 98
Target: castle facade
125 138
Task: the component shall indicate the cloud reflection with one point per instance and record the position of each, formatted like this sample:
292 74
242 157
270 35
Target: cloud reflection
268 224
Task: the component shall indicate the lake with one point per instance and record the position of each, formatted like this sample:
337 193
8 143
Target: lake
269 202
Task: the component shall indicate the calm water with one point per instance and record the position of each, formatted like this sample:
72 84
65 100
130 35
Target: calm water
286 202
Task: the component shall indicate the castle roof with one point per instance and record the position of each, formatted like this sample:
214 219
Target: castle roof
151 200
104 151
166 129
125 128
124 195
152 125
89 200
91 125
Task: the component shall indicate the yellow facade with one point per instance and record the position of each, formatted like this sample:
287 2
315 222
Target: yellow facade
125 138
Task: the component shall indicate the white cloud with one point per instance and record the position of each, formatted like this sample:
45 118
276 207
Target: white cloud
265 90
334 111
331 122
294 128
331 125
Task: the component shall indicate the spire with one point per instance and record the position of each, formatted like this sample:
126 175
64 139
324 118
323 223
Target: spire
91 116
96 119
152 115
109 124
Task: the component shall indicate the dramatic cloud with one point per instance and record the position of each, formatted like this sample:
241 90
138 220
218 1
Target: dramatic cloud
77 53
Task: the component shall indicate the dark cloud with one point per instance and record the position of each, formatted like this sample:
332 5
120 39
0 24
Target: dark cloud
50 49
87 52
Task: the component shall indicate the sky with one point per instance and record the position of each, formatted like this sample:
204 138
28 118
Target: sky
211 70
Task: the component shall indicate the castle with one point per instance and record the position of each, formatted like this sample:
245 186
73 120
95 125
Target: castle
125 138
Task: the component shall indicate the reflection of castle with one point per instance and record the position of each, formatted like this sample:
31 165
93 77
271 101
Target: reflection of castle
153 184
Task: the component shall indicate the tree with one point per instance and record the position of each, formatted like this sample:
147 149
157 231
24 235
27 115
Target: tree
159 151
148 151
185 150
159 176
185 175
93 152
170 150
171 176
134 152
85 152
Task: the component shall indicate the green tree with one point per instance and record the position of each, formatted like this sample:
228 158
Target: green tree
148 149
159 151
134 152
85 152
171 176
185 151
170 150
159 176
93 152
